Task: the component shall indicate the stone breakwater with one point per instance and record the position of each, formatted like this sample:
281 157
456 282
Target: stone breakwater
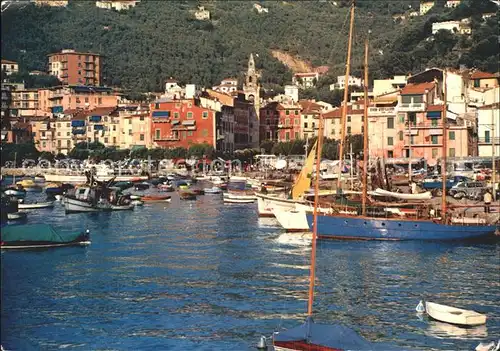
18 172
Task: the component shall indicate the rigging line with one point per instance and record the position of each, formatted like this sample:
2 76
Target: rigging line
335 46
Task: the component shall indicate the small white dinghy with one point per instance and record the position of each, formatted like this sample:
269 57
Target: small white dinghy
35 205
454 315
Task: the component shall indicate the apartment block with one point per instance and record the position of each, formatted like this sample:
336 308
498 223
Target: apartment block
9 67
76 68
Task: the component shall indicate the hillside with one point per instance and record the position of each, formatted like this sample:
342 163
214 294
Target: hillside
156 40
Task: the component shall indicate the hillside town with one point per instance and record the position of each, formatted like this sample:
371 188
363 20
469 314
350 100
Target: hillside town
405 112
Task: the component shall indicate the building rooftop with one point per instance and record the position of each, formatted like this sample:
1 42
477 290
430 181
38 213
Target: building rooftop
337 112
73 52
432 108
9 62
100 111
483 75
309 106
419 88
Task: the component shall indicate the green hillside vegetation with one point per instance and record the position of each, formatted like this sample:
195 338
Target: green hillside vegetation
156 40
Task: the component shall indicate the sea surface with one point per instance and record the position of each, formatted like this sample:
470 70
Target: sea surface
203 275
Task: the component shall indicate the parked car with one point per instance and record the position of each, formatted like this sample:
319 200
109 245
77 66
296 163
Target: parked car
470 190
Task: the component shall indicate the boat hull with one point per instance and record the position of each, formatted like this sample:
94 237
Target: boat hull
36 206
73 206
454 315
266 204
364 228
42 245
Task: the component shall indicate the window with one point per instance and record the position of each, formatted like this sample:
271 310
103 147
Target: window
58 125
157 134
130 121
333 131
348 118
114 140
452 152
86 99
190 115
297 135
306 136
68 143
68 134
58 143
487 136
287 136
297 122
157 106
477 83
401 135
390 141
190 104
44 143
130 132
105 118
190 133
141 118
106 140
114 128
390 154
451 135
412 118
348 130
296 112
58 133
141 137
412 139
434 123
68 125
204 115
176 114
362 129
305 124
43 134
99 100
287 112
434 153
390 123
287 122
434 139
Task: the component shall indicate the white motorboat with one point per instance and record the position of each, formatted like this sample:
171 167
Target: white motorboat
266 204
384 193
36 205
237 196
72 205
454 315
238 201
291 220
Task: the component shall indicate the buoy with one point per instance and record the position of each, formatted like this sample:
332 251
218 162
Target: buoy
420 307
262 345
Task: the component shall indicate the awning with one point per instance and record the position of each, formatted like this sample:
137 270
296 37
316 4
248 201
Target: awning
434 114
175 122
95 118
98 127
78 123
57 109
78 131
188 123
161 114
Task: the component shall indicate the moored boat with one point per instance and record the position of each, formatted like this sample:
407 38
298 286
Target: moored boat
36 236
15 191
154 198
212 190
165 187
187 195
238 201
454 315
141 186
36 205
16 216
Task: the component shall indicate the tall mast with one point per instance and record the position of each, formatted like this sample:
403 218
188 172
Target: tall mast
444 151
365 135
346 95
312 275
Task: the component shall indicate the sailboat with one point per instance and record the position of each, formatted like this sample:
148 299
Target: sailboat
312 336
268 203
369 227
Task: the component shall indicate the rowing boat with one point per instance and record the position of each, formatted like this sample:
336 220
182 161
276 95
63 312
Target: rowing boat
36 205
454 315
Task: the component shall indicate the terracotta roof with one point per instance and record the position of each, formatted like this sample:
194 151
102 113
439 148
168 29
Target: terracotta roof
101 111
435 108
309 106
171 80
483 75
418 88
9 62
337 113
71 111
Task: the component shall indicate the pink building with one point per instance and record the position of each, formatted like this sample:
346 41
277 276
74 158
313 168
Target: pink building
289 122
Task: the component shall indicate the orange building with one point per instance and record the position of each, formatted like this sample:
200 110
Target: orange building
79 68
181 123
62 98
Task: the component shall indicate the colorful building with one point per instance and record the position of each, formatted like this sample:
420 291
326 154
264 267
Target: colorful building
489 130
182 123
289 127
309 121
134 127
76 68
269 121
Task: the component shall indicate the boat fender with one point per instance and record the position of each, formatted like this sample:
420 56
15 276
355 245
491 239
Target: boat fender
420 307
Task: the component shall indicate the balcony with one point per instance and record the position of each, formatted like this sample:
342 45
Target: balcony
166 138
282 126
381 111
411 107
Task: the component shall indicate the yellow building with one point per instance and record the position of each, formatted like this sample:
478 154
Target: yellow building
135 127
480 79
63 137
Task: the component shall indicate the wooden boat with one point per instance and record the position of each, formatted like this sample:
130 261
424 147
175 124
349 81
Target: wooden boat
198 191
154 198
454 315
36 205
187 195
37 236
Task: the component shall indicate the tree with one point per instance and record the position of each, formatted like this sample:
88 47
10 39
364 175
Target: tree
267 145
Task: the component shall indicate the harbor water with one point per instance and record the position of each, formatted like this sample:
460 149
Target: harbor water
203 275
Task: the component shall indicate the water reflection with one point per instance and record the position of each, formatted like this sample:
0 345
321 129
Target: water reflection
445 330
205 276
